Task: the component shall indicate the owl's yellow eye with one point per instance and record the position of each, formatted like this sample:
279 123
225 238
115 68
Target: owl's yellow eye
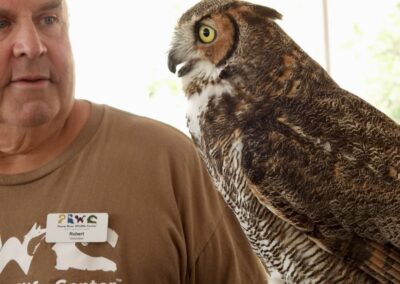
206 34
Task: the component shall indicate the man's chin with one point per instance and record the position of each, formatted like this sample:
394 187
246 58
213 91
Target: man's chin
34 114
34 120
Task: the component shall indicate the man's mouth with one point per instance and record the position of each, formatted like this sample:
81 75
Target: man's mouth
30 81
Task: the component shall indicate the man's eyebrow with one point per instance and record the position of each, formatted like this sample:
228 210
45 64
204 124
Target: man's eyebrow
4 13
53 4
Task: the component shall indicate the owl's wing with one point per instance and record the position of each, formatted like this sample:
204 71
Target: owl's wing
330 167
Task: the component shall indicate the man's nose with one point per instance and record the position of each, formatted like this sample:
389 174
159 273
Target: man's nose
28 42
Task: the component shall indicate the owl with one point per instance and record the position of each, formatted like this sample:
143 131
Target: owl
311 171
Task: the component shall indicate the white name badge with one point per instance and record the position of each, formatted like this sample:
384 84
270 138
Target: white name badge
77 228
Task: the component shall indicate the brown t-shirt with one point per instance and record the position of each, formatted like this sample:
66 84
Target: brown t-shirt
167 224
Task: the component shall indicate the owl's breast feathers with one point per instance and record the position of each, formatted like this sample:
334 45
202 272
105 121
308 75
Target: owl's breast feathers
318 157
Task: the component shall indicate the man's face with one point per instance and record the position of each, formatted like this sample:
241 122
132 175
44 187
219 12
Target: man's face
36 65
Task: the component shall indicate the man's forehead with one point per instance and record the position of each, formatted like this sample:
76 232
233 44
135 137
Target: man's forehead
34 5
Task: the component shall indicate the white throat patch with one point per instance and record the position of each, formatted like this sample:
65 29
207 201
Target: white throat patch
197 104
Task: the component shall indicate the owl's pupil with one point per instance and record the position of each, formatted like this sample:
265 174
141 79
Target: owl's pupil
206 32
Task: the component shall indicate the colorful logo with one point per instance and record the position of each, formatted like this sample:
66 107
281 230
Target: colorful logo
72 219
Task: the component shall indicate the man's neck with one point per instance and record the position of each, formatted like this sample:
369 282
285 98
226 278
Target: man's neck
23 150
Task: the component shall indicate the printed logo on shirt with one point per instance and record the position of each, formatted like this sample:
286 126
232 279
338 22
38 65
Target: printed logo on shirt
13 249
68 255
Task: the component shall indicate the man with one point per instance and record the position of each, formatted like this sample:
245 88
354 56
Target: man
64 161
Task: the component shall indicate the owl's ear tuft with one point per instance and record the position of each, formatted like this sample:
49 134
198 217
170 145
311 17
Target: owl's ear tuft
256 14
265 12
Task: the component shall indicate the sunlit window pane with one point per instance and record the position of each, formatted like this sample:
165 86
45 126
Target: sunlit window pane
121 50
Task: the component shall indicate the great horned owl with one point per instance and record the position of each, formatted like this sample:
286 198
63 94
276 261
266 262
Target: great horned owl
311 171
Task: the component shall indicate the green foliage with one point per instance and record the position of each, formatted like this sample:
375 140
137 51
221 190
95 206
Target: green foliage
384 85
164 87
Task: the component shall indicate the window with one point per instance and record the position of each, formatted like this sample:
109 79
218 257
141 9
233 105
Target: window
121 50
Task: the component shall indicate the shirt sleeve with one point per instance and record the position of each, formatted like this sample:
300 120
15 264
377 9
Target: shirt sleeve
217 248
227 256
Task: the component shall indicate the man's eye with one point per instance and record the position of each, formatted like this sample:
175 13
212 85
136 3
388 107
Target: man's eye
4 24
49 20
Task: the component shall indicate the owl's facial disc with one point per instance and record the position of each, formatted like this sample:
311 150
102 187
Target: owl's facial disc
213 40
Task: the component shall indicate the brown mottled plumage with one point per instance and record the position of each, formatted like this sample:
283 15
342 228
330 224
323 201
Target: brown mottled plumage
311 171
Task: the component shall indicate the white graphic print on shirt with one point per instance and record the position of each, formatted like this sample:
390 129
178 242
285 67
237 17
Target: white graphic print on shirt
68 255
13 249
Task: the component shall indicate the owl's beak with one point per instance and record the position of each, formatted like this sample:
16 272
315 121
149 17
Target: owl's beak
172 62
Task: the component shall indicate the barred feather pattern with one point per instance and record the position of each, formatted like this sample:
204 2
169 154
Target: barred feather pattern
281 247
311 171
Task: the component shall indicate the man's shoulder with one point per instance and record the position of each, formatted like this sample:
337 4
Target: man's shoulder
124 126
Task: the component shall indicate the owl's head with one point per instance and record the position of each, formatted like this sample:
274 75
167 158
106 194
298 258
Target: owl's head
216 34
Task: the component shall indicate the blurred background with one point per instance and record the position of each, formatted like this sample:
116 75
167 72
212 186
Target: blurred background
121 50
